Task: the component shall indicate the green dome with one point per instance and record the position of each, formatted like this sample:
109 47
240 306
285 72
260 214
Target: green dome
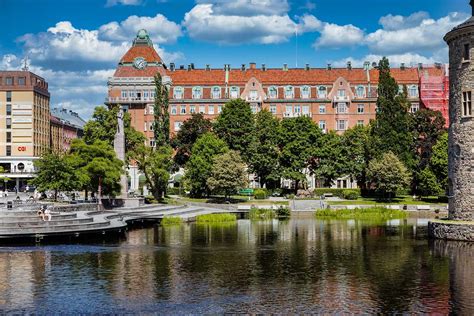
142 34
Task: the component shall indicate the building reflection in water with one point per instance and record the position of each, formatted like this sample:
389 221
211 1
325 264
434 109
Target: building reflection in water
301 265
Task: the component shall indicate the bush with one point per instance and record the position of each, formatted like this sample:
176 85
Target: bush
216 218
351 194
258 214
260 194
168 221
150 199
173 191
283 212
336 192
380 213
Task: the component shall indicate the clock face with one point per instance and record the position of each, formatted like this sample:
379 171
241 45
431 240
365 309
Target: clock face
139 63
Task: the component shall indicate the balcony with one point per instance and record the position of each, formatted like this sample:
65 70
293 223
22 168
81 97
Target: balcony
338 98
292 114
129 100
253 99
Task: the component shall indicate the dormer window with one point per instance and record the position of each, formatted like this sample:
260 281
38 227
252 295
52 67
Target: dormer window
413 92
360 91
289 92
322 92
216 92
234 92
273 92
305 92
467 104
341 93
178 93
197 93
253 95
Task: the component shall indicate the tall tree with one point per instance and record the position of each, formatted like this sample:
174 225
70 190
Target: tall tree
199 166
235 126
328 161
392 128
298 139
190 131
228 174
264 161
161 125
438 167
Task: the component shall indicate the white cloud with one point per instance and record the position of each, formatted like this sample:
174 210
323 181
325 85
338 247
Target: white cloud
160 29
336 36
204 23
9 62
111 3
309 23
248 7
397 22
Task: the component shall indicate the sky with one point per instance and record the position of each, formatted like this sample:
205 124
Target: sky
76 44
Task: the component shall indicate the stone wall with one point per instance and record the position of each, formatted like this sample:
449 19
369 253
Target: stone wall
451 231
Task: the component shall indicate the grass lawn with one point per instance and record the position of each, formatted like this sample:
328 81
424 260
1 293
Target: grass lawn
401 200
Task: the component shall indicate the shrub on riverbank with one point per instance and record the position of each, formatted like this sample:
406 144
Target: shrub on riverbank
361 213
258 214
260 194
216 218
169 221
283 212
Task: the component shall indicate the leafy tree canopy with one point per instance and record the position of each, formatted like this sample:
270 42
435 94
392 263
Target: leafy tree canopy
228 173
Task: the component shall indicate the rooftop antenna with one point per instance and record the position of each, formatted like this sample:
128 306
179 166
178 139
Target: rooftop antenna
25 64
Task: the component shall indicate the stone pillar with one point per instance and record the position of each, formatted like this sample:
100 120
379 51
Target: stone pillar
461 129
119 147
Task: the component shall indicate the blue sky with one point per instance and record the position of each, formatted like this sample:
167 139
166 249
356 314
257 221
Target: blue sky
75 44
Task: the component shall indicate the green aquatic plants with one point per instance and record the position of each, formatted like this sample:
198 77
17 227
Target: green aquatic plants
171 220
216 218
262 214
362 213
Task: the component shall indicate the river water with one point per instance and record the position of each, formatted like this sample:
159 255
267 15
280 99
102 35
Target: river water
296 266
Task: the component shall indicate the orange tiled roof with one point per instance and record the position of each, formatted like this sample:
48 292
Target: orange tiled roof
147 52
130 71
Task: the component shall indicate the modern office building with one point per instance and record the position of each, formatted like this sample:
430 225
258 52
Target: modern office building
24 123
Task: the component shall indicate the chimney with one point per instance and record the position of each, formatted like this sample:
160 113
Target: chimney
264 67
208 67
329 67
192 66
420 66
307 67
402 66
181 67
438 65
189 67
285 67
243 67
349 65
253 66
366 65
172 66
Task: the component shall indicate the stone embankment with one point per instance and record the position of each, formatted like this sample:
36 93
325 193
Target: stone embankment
462 231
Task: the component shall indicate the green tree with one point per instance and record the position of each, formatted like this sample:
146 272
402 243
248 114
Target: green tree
155 164
388 174
439 161
264 161
96 164
428 183
235 126
198 167
228 174
3 179
56 172
190 131
328 162
392 128
161 125
298 139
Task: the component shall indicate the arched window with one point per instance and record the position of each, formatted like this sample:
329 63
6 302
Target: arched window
289 92
273 92
413 91
234 92
360 91
305 92
216 92
197 92
322 92
178 92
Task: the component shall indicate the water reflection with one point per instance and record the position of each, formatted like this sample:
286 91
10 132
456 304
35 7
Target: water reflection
295 266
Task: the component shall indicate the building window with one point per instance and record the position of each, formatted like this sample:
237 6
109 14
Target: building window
9 137
253 107
360 91
9 81
466 55
273 92
144 126
146 94
219 109
322 125
178 93
177 126
341 125
360 123
288 110
216 92
322 109
210 109
9 150
124 94
298 109
341 108
9 96
197 93
152 142
360 109
467 104
305 92
253 95
273 109
174 110
183 109
192 109
21 81
9 122
415 107
413 91
9 109
322 92
234 92
151 110
306 110
202 109
341 93
289 92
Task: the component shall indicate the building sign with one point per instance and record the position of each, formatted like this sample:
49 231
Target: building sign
21 148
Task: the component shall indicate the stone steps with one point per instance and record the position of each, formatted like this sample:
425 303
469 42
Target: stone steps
40 223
